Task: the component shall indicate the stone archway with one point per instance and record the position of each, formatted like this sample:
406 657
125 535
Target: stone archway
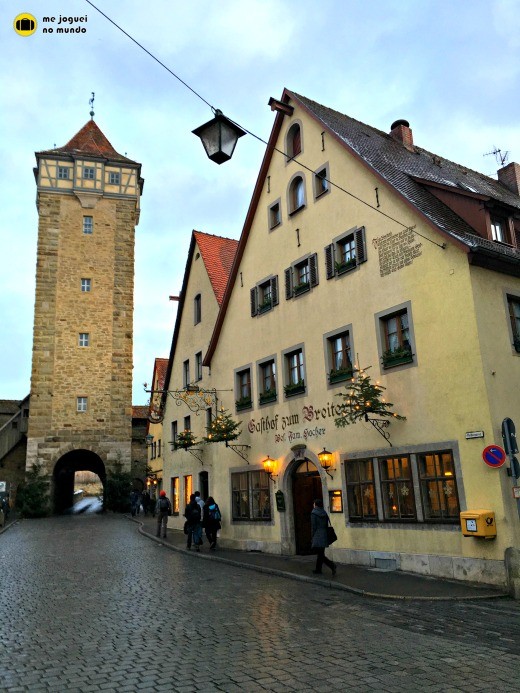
64 471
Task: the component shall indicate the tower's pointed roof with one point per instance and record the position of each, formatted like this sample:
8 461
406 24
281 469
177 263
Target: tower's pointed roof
89 141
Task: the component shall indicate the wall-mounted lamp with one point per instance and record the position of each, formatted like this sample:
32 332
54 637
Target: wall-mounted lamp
149 440
219 137
325 458
269 466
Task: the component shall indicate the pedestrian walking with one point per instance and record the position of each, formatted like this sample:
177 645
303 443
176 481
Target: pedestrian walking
163 509
145 500
193 526
319 524
135 502
211 521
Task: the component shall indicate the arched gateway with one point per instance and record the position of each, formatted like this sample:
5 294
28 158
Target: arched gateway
64 471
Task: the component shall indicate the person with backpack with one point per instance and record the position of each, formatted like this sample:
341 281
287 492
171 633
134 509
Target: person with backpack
193 526
163 509
211 521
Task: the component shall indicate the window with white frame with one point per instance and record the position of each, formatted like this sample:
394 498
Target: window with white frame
294 372
86 285
251 497
267 382
81 404
296 194
88 225
345 252
301 276
339 357
264 296
396 338
84 339
243 389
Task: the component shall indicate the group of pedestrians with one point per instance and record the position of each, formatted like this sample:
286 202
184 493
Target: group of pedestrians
138 499
205 515
201 515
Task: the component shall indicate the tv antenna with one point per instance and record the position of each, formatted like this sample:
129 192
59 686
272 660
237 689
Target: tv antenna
500 158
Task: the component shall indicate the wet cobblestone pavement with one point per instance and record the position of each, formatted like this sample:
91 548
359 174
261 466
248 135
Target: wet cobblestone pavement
89 604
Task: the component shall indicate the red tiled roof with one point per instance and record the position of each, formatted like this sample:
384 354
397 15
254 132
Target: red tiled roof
89 141
139 412
160 372
218 254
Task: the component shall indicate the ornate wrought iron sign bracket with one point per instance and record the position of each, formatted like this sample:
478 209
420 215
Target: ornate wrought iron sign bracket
238 449
380 425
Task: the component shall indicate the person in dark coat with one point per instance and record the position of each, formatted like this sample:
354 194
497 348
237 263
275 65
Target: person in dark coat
163 509
211 521
319 524
145 500
193 523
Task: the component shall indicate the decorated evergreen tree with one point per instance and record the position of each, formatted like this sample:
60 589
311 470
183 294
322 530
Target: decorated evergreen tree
363 397
222 428
185 439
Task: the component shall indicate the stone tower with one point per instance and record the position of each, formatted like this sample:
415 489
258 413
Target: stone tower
81 384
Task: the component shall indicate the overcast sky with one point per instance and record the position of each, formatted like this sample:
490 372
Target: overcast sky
450 67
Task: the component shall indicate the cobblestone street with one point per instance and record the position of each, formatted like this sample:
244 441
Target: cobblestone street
89 604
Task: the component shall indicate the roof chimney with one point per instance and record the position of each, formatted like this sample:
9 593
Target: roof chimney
400 131
510 177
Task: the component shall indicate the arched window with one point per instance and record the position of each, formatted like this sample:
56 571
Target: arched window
294 141
296 194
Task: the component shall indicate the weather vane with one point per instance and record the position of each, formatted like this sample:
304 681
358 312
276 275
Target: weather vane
91 104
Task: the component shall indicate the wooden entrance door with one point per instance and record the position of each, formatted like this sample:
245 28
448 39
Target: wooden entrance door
306 488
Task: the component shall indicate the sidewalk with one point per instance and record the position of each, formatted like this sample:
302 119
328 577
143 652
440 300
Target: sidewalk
368 582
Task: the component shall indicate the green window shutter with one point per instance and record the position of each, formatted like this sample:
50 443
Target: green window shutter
288 283
329 260
254 301
361 251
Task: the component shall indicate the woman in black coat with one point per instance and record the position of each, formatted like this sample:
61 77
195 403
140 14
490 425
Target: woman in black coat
319 524
211 521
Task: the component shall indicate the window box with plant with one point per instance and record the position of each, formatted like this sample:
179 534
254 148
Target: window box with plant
301 288
243 403
345 266
267 396
397 356
338 375
265 306
294 388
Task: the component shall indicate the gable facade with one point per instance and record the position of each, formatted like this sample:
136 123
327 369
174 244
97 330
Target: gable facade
343 266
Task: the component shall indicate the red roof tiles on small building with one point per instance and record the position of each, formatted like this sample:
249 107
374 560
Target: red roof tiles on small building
160 372
218 254
139 412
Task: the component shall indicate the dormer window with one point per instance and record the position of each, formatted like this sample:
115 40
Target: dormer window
296 194
294 141
500 230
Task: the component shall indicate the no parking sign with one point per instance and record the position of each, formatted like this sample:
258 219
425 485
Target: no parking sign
494 456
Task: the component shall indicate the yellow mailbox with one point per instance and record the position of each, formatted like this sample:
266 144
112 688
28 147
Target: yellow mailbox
478 523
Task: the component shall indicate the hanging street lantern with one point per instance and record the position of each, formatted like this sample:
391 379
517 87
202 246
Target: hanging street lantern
219 137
